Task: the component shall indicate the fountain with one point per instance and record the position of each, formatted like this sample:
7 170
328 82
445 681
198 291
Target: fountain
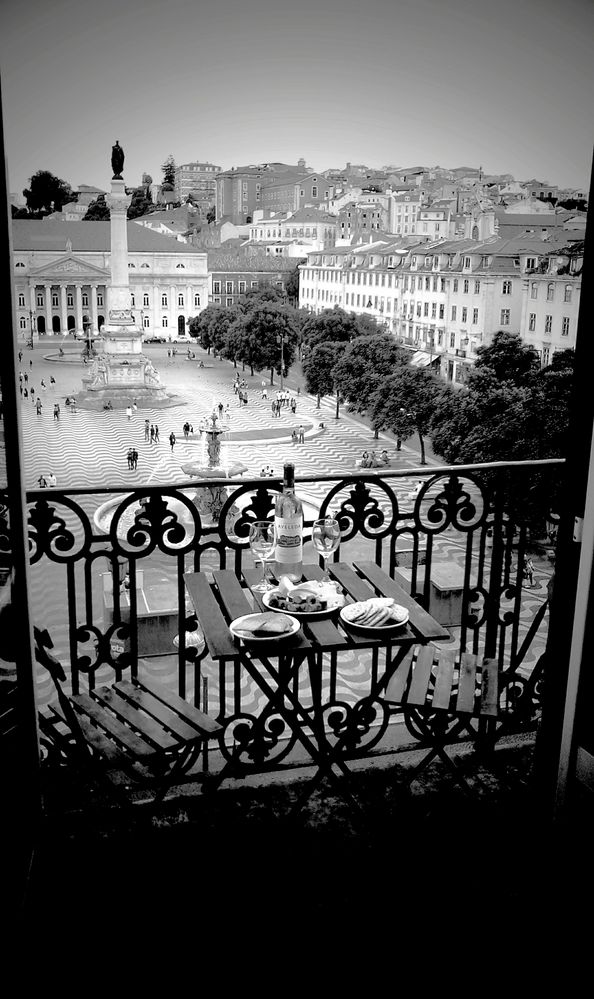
211 500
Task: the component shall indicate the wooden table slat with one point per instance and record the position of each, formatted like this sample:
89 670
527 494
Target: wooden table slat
417 693
219 640
106 721
443 680
232 594
490 688
426 626
148 728
356 587
466 684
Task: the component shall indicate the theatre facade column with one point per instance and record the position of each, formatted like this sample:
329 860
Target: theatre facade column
48 310
79 312
94 313
63 309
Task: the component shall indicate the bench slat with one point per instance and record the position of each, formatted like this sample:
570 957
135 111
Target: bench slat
164 715
148 728
417 692
398 682
189 712
85 705
466 684
443 681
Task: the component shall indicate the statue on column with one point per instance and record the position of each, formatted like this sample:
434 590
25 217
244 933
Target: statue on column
117 160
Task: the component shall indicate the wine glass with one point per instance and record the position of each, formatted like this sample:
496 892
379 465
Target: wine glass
262 538
325 537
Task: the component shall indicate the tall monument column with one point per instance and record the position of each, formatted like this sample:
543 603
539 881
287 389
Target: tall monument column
121 374
119 300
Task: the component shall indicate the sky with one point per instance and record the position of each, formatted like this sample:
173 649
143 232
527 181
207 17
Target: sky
505 84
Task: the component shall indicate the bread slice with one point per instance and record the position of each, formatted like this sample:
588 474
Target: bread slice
268 623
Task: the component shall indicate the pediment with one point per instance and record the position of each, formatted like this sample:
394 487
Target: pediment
70 264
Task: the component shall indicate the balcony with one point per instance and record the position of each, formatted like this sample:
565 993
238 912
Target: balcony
107 577
109 587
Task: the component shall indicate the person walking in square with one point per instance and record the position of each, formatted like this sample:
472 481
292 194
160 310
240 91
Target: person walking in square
129 412
52 380
152 433
39 407
301 434
293 405
134 459
26 377
20 356
172 440
146 430
156 433
129 458
56 411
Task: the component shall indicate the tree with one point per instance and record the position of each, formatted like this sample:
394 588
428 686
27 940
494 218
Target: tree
506 358
404 402
332 325
263 327
47 192
256 297
168 169
365 363
97 211
211 215
318 368
141 203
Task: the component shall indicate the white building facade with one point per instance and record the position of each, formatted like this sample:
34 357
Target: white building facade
62 273
446 299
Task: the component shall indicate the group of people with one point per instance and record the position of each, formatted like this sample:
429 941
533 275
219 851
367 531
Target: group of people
47 480
188 429
132 458
151 432
266 471
298 436
373 461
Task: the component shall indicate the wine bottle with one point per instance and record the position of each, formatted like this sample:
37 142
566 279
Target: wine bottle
288 520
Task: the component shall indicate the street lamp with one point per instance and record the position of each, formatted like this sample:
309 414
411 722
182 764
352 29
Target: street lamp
281 339
31 325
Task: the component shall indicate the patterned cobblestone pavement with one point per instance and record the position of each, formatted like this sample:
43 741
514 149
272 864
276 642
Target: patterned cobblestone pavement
88 449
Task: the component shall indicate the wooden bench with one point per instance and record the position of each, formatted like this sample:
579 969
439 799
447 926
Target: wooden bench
442 696
126 733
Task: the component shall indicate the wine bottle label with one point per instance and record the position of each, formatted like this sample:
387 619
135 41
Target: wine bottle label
289 534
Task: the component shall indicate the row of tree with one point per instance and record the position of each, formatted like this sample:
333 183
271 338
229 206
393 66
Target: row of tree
510 408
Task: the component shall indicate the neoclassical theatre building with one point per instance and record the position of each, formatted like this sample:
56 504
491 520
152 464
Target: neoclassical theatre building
62 273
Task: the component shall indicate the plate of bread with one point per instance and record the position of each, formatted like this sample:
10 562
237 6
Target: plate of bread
375 614
268 626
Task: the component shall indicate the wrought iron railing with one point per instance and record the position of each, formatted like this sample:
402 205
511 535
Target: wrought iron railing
107 566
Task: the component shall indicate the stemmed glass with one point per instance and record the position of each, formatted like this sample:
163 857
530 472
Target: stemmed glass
262 538
325 537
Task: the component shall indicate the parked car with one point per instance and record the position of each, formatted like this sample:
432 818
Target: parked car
155 339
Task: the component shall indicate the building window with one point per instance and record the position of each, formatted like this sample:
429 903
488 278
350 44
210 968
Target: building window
530 263
314 192
534 290
55 300
532 322
466 287
427 284
22 301
546 355
20 264
70 301
180 300
464 314
40 300
452 339
145 265
477 287
434 310
99 299
474 317
146 322
229 287
550 291
216 287
164 322
467 261
504 320
441 311
23 323
455 288
217 300
565 326
506 288
567 293
426 309
132 300
196 300
130 266
145 300
454 311
548 324
164 300
85 300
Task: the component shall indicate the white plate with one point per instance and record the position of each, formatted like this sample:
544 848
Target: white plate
334 602
238 632
351 609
